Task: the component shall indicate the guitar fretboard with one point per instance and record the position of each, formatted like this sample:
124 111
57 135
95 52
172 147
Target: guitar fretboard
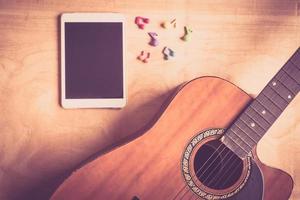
259 116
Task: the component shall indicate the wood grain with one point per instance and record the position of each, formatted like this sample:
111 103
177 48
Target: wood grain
244 41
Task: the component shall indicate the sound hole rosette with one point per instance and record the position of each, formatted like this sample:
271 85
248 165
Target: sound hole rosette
189 175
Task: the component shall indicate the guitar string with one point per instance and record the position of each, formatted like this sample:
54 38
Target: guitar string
208 167
219 163
228 153
237 164
223 183
203 173
235 168
185 185
203 182
196 174
227 168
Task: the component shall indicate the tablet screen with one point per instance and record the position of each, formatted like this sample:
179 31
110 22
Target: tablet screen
93 60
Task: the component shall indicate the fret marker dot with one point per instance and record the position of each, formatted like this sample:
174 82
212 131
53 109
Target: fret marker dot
274 83
252 124
289 97
263 112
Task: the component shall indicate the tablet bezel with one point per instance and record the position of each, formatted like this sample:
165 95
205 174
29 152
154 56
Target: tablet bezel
95 102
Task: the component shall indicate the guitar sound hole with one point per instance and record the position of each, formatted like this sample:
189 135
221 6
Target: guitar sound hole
216 166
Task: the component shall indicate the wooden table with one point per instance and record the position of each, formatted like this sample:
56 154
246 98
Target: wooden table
245 42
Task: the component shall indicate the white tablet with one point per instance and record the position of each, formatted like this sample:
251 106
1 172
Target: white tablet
92 60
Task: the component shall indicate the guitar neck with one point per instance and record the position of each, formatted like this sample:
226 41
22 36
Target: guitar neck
258 117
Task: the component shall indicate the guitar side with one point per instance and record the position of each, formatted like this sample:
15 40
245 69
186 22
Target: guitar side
150 166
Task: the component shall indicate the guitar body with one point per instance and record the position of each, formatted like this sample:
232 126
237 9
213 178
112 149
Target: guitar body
162 163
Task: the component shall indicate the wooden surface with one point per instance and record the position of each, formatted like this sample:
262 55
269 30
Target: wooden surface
150 166
245 42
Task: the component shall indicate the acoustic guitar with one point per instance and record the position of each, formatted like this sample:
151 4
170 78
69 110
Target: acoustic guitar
201 147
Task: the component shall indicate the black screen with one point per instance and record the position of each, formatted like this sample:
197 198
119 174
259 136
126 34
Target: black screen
93 60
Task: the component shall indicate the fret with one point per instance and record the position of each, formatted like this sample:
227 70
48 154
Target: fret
296 58
234 147
265 113
282 90
269 105
244 136
238 144
289 75
253 122
273 94
287 81
246 130
277 99
241 143
249 122
257 118
272 100
292 70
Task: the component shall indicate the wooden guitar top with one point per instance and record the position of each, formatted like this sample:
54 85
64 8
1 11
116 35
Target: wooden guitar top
149 166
